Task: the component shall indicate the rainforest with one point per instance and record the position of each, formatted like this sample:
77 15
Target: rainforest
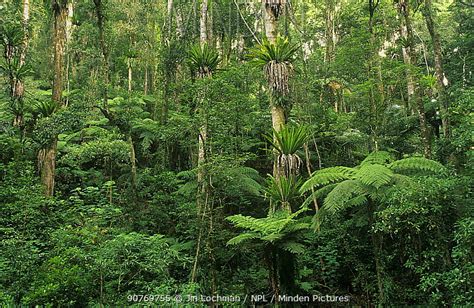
195 153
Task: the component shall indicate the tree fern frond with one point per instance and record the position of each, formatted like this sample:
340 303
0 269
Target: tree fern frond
338 198
272 237
297 226
357 201
374 175
242 237
318 219
322 192
416 164
327 176
293 247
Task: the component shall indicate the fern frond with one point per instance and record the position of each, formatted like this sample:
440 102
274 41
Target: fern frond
417 164
242 237
297 226
374 175
327 176
273 237
248 222
322 192
356 201
293 247
340 196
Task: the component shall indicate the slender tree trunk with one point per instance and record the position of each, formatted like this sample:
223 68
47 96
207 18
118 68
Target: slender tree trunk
169 73
59 42
18 85
377 245
99 11
414 97
130 75
374 73
330 13
327 91
133 163
203 21
145 82
69 28
203 204
439 70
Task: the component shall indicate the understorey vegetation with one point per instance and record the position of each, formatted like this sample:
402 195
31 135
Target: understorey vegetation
223 152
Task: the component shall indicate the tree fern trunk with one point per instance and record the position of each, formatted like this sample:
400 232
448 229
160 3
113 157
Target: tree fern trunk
376 245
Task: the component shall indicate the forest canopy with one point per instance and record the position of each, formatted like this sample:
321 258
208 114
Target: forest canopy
229 152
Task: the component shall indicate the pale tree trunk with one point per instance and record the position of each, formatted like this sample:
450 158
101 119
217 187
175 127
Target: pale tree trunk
133 163
414 97
47 165
69 28
169 11
203 203
203 21
330 17
47 155
271 32
145 82
330 12
169 75
271 23
272 9
130 75
439 71
18 85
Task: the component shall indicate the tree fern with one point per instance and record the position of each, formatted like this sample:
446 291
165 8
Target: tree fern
273 229
372 180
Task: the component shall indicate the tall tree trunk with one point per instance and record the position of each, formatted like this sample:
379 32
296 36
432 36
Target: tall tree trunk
271 13
47 165
130 75
330 35
203 203
18 85
133 164
169 73
409 56
60 12
69 28
377 246
99 11
203 22
271 21
327 91
47 155
374 73
439 71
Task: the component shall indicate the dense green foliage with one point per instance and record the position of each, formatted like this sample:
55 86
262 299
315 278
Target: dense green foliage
168 183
